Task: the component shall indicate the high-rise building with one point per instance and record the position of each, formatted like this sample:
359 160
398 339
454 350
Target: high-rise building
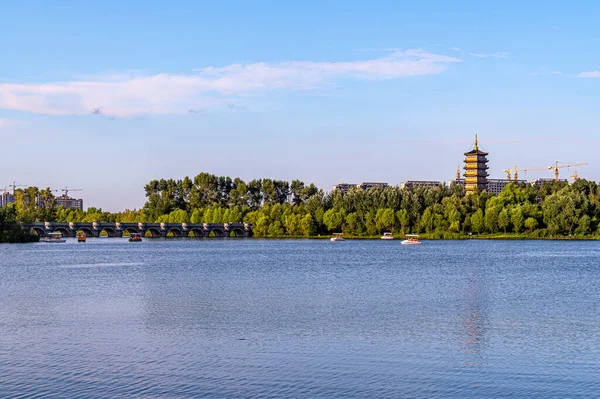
68 202
368 185
344 186
6 198
495 186
475 169
421 183
363 186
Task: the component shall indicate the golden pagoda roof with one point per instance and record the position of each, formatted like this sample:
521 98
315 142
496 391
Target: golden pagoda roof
476 150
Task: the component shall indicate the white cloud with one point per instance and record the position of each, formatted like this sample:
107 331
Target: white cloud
177 93
591 74
491 55
498 54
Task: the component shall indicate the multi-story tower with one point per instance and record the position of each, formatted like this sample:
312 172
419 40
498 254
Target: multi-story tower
475 169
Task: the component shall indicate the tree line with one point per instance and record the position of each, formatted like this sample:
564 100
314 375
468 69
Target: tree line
277 208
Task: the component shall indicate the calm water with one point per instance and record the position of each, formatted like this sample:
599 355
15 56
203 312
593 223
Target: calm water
299 319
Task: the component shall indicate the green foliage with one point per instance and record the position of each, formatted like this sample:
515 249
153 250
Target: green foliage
10 229
531 224
277 208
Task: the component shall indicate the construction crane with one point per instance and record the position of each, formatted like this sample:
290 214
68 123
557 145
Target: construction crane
516 170
15 185
67 189
575 177
556 167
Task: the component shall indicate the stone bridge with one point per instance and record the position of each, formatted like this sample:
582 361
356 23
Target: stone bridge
70 229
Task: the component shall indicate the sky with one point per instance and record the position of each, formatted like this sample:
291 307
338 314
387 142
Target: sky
106 96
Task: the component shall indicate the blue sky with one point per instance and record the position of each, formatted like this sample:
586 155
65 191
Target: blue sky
108 96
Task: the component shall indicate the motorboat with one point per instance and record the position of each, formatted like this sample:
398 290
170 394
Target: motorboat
53 237
337 237
135 237
411 239
387 236
81 237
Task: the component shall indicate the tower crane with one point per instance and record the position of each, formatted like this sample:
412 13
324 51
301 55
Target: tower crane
15 185
556 167
575 177
67 189
515 171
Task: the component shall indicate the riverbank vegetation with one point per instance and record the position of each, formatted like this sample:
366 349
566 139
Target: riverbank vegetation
278 208
10 229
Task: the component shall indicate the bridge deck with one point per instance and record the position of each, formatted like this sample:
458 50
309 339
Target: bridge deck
93 229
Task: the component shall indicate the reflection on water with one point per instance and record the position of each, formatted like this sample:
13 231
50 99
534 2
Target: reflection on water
473 319
276 318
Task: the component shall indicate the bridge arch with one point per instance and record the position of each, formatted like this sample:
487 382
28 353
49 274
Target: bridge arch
38 231
238 232
109 230
131 230
154 232
62 230
218 232
196 232
176 232
88 232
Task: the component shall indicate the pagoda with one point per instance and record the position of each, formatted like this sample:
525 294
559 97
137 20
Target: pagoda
475 169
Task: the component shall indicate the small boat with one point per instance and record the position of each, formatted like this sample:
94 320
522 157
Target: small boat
54 237
81 237
135 237
387 236
411 239
337 237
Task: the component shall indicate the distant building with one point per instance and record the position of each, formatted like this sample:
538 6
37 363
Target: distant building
542 180
344 187
495 186
420 183
475 169
363 186
367 185
68 202
6 198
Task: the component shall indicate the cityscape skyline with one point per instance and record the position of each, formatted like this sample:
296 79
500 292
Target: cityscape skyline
109 98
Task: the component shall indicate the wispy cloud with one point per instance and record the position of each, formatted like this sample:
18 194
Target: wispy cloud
491 55
5 123
591 74
177 93
498 54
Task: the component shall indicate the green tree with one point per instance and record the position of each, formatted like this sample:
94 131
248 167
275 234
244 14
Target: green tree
583 225
503 219
10 229
427 221
333 219
261 228
531 224
517 219
491 218
477 221
308 225
197 216
404 220
385 219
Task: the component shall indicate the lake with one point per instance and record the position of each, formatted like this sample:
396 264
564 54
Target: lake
251 318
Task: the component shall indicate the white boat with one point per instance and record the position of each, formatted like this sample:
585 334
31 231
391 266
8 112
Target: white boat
337 237
387 236
53 237
411 239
